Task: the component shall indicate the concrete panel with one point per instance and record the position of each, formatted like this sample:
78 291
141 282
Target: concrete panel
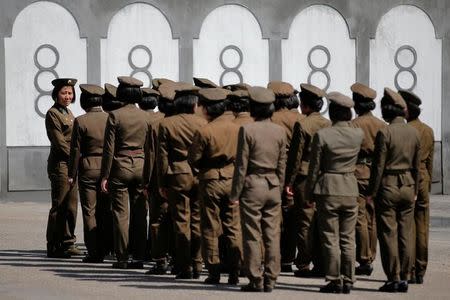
27 169
143 48
230 48
406 54
324 56
45 45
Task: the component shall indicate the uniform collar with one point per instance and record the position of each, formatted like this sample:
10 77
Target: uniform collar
316 113
243 114
341 124
397 120
226 116
61 108
95 109
367 114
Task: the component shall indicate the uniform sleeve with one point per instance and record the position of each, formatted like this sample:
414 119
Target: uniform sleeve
196 150
281 164
108 146
378 163
314 166
416 166
75 150
240 169
55 135
149 150
430 158
294 157
162 156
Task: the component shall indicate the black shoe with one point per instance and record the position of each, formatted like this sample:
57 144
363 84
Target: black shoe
413 280
157 270
250 288
196 274
303 273
73 250
233 278
92 260
58 254
346 289
331 288
389 287
419 279
135 264
268 289
403 287
212 280
120 265
184 275
364 269
286 268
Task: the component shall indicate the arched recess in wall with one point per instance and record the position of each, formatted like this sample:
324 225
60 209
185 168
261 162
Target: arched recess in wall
230 47
45 44
319 51
139 43
406 54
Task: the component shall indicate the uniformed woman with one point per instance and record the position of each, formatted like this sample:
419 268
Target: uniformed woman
63 213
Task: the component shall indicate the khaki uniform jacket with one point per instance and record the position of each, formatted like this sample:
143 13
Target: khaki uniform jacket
127 132
426 149
59 125
154 119
300 151
333 158
243 118
370 125
213 150
176 134
87 141
287 118
397 157
261 153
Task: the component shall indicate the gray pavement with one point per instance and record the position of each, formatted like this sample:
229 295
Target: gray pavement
25 272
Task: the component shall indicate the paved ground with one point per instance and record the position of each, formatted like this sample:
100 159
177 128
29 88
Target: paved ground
25 272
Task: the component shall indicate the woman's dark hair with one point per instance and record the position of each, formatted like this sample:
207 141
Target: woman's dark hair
129 94
413 111
339 113
286 102
364 107
148 102
185 104
87 101
293 102
241 105
261 111
390 111
215 109
56 90
314 103
166 107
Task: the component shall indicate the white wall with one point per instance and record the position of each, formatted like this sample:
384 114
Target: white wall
408 25
40 23
139 24
231 25
313 26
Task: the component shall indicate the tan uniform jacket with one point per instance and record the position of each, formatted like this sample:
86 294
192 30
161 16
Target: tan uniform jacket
59 125
127 131
333 157
87 141
397 158
213 150
243 118
176 134
259 155
287 118
426 149
154 119
370 125
300 150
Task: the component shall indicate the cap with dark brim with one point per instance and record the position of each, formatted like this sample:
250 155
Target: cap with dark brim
149 92
204 83
393 98
340 99
184 88
237 86
91 90
238 95
156 82
167 91
213 94
410 97
260 94
281 89
312 90
362 93
58 82
129 81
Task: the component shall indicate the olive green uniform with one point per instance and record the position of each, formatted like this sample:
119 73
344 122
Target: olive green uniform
85 161
394 181
127 131
366 232
332 180
257 183
213 152
63 213
422 205
175 136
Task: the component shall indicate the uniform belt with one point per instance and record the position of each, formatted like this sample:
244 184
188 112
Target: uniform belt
396 171
339 172
261 171
91 155
130 152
